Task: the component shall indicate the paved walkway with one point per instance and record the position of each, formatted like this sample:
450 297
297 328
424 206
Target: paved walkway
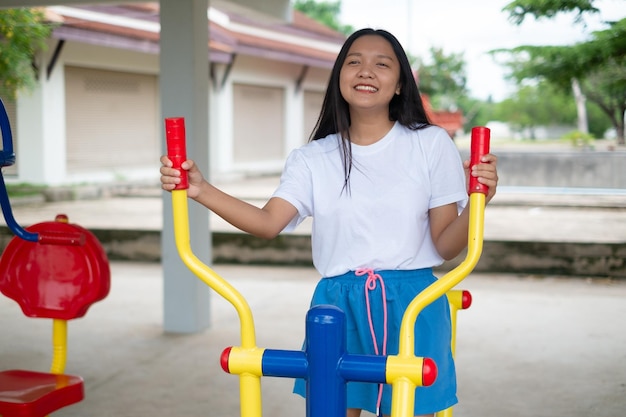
527 347
542 347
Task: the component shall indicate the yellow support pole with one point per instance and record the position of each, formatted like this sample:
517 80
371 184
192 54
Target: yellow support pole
249 382
59 346
455 299
403 398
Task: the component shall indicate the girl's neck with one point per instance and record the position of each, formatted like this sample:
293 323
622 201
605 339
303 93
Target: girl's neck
366 131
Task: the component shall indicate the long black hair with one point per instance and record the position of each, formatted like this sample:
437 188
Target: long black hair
407 107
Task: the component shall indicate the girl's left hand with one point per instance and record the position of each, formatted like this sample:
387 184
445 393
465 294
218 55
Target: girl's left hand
486 172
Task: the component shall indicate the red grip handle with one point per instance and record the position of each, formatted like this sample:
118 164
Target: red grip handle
479 148
176 147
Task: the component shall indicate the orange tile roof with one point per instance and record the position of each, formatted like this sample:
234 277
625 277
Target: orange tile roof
452 122
91 24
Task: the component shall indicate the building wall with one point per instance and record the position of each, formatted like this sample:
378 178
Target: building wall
111 120
258 124
260 114
561 169
106 117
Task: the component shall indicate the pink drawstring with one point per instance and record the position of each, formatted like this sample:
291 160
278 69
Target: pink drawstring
370 285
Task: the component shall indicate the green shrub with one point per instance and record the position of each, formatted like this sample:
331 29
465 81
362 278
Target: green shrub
579 139
24 190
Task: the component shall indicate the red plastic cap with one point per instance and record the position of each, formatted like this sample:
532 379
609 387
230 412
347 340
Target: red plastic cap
466 299
224 359
429 372
62 218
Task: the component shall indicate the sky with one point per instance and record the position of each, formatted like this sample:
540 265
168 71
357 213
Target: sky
472 27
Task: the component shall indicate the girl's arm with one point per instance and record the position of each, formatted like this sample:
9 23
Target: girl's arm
449 230
266 222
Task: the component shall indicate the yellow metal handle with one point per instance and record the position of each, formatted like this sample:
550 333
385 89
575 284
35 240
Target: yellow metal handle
400 406
250 385
448 281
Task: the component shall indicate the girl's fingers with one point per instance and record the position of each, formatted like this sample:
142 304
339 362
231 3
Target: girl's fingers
169 172
165 161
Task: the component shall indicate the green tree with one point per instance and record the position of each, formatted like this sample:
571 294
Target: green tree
599 122
594 69
476 112
519 9
325 12
532 106
444 80
22 33
606 88
536 105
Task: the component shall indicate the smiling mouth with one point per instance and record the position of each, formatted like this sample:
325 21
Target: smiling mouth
367 88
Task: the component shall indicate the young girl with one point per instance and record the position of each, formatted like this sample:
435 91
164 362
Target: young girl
387 192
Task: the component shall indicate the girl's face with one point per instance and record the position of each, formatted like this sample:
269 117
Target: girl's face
370 75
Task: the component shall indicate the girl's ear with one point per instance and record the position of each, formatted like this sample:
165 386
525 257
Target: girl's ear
398 89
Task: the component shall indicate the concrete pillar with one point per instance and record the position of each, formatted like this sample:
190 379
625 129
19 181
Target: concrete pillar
40 153
294 117
184 75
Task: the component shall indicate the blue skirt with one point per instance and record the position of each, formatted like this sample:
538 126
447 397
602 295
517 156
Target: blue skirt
432 334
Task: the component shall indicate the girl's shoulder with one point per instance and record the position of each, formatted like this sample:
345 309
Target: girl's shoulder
327 144
429 132
431 136
311 153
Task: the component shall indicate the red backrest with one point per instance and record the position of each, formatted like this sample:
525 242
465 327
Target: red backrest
58 279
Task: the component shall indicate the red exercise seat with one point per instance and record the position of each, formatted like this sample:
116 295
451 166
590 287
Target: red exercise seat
29 393
59 278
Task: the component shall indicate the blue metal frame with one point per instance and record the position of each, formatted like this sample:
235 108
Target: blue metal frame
7 158
325 364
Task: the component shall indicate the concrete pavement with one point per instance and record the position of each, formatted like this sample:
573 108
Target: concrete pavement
540 345
544 347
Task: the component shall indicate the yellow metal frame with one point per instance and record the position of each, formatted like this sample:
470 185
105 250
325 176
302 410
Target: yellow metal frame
59 338
402 394
248 352
455 299
59 346
404 371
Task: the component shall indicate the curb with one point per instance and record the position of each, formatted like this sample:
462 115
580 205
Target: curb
582 260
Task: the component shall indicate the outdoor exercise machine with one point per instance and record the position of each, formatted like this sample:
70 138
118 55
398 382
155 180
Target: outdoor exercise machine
53 270
324 362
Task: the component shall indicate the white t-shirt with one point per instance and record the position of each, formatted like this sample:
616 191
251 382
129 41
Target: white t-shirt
382 221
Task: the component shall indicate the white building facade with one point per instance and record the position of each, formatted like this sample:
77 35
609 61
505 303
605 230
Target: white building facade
94 116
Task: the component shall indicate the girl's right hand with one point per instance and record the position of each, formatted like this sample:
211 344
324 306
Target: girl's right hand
171 176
